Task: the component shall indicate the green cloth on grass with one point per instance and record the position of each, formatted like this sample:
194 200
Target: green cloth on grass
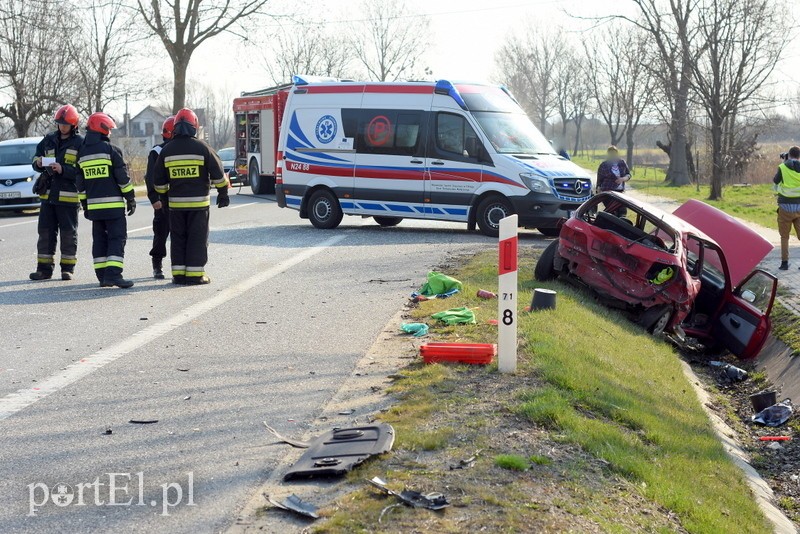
455 316
439 283
418 329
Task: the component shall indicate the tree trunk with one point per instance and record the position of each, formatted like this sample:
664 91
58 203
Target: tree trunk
629 146
678 170
578 124
179 67
716 159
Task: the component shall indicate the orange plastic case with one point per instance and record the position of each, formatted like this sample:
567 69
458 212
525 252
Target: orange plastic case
471 353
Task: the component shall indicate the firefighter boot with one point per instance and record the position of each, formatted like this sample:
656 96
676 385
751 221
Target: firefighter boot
117 281
199 281
67 275
158 272
39 275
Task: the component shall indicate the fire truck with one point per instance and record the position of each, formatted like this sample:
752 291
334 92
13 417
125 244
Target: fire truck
258 118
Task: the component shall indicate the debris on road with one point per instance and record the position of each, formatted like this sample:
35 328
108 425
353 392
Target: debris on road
143 421
339 450
483 294
775 415
470 353
775 438
730 371
438 286
763 400
415 499
347 412
183 369
295 504
455 316
466 463
293 442
108 431
417 329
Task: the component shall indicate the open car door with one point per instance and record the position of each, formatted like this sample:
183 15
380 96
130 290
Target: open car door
743 324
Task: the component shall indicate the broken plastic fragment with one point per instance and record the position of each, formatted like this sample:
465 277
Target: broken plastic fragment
775 415
295 504
293 442
415 499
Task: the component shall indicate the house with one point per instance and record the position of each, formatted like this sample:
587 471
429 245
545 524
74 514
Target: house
143 130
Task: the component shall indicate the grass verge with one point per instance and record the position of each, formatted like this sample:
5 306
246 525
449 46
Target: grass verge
599 418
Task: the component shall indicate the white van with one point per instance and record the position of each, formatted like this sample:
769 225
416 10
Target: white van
421 150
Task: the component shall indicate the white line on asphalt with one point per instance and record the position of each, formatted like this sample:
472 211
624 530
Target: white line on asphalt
19 223
14 402
237 206
140 229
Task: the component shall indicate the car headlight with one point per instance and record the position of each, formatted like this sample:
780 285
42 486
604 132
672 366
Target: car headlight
32 177
535 183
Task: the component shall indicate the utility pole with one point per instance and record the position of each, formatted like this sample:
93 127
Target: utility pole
127 116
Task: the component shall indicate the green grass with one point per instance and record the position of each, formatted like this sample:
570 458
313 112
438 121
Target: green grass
513 462
755 203
786 327
586 377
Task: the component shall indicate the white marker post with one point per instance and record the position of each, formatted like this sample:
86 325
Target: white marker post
507 296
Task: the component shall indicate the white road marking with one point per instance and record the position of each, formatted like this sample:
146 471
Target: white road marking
237 206
14 402
19 223
140 229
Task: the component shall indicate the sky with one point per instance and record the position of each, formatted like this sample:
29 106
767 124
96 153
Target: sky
466 35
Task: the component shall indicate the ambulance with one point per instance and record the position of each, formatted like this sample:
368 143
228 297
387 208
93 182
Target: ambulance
463 152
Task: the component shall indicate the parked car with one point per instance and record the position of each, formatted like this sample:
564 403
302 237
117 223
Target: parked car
689 272
17 175
228 158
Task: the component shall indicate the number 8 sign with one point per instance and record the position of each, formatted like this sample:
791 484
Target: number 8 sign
507 296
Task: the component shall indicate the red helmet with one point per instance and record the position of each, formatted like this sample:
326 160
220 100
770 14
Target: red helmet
168 127
100 123
188 116
67 115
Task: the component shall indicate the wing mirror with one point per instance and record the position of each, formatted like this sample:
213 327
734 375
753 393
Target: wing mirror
748 296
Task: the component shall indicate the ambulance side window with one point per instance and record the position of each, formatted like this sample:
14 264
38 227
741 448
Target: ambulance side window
455 138
389 132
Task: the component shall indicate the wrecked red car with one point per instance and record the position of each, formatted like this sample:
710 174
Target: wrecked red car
689 272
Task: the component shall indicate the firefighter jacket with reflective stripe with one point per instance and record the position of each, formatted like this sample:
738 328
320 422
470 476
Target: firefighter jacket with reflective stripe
185 171
62 188
789 185
103 181
152 159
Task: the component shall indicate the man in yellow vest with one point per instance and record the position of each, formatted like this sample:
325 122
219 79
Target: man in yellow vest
787 184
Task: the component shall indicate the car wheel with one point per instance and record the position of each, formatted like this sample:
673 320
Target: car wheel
550 232
545 268
655 319
388 221
490 212
324 211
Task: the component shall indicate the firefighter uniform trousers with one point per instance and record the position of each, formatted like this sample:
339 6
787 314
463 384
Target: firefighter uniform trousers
161 224
189 244
108 247
54 218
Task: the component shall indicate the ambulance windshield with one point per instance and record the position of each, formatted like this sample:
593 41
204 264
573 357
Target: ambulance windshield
513 133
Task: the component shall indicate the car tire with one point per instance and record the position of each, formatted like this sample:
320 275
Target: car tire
324 210
254 177
387 222
545 269
490 212
655 319
549 232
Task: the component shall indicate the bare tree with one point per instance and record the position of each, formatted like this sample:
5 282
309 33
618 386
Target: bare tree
312 51
579 96
528 64
740 50
219 119
672 30
391 42
35 74
102 53
606 70
183 27
637 86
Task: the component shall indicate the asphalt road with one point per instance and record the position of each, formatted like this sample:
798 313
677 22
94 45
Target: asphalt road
289 312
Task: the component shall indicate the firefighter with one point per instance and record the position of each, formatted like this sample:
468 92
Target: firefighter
59 196
159 203
787 185
104 188
186 169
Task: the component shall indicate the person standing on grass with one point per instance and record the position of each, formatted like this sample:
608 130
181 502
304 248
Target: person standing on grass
787 185
611 176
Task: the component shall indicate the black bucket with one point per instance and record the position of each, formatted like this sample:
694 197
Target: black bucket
763 400
543 299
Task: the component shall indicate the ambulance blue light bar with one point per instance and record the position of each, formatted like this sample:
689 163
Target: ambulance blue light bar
302 79
443 87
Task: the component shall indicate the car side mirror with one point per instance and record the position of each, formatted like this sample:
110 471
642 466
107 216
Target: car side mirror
748 296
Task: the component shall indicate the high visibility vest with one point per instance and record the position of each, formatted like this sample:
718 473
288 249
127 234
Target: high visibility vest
790 182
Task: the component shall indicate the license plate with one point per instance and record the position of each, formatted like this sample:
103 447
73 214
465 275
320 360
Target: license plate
13 194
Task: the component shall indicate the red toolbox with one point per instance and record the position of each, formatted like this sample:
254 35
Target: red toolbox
473 353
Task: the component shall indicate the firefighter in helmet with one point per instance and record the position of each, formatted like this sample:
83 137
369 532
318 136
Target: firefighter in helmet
186 169
59 196
105 188
159 203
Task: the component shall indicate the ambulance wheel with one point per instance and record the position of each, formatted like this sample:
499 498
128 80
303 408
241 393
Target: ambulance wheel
388 221
545 268
490 212
323 210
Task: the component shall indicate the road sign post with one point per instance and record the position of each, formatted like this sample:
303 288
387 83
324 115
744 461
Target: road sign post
507 296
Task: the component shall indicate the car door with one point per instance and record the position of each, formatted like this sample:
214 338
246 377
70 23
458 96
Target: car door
454 168
742 324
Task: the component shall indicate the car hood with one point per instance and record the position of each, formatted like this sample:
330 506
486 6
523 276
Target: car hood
16 171
744 248
550 166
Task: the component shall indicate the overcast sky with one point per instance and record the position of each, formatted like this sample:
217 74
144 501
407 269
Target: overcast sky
466 35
